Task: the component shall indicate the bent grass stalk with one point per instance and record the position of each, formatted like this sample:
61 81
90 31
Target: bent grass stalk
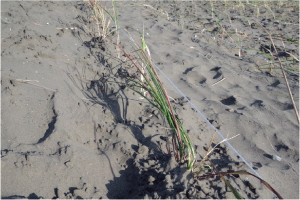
222 174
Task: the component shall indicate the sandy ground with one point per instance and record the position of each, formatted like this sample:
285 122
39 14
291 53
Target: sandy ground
70 130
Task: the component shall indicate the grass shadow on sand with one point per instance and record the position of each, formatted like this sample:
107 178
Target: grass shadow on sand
154 176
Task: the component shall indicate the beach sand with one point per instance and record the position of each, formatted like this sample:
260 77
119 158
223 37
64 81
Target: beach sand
70 129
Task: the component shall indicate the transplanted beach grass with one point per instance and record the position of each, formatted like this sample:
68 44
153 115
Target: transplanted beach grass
159 98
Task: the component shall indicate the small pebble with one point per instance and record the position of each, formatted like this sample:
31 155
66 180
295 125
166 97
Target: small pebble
151 179
275 157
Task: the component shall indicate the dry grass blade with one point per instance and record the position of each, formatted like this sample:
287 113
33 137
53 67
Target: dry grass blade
292 56
100 18
209 151
283 72
29 82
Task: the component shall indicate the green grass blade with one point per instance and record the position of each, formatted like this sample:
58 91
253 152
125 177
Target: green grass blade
116 14
235 193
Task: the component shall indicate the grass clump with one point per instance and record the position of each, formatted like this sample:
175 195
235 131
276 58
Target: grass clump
182 145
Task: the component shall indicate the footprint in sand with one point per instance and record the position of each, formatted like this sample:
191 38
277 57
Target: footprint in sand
193 77
229 101
218 72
